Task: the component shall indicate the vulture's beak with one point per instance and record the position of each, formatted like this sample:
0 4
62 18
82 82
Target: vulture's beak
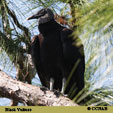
35 16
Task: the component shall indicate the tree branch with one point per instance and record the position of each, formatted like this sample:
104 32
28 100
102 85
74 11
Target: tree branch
29 94
23 28
16 55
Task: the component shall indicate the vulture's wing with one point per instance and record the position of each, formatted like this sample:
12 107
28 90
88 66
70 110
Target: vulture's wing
35 53
72 48
73 53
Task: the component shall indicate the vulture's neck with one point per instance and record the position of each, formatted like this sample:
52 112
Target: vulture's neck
49 27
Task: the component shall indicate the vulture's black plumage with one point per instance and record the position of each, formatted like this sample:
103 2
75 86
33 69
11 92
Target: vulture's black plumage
54 54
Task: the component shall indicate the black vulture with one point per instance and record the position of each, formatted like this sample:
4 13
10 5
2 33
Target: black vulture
55 54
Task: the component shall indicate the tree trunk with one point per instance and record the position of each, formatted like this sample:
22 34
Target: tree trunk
29 94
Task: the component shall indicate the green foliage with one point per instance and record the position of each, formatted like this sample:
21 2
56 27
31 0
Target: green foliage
96 16
10 38
94 25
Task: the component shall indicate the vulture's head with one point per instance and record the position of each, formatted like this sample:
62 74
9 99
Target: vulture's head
43 15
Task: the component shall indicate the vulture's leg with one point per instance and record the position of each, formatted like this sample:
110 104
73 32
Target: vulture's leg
63 85
51 83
